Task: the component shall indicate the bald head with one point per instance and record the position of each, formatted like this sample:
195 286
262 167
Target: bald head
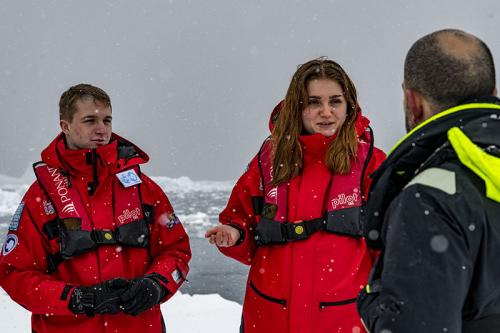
457 44
449 67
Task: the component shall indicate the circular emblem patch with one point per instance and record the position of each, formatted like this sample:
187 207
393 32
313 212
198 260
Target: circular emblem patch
299 230
10 244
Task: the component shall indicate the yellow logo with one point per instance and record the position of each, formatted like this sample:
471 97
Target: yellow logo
299 229
108 236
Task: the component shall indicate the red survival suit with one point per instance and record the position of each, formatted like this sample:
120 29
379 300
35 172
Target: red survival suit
303 240
120 232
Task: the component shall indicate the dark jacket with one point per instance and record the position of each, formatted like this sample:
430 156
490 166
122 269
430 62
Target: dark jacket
434 211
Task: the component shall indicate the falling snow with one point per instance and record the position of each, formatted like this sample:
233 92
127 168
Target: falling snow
439 243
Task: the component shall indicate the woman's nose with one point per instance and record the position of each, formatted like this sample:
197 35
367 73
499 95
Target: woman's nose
326 109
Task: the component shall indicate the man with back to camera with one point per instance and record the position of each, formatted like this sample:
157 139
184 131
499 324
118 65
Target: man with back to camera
434 207
94 245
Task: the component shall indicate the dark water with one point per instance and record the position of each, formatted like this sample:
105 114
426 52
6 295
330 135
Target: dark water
213 273
210 271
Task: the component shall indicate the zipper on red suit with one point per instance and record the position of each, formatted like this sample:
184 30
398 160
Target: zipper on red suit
92 187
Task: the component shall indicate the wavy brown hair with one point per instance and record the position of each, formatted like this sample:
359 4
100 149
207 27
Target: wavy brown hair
287 151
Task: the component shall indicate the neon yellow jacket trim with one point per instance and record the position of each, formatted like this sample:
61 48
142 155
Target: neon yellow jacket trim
478 161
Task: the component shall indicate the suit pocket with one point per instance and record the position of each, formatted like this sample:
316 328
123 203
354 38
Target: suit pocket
264 312
267 297
323 305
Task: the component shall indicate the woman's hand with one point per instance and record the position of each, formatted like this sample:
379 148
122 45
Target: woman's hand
223 235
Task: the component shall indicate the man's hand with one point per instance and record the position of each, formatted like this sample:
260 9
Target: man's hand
143 293
223 235
102 298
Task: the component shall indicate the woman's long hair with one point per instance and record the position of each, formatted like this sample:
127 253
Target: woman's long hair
287 151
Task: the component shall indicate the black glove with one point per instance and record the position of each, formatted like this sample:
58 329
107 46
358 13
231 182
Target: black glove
143 293
102 298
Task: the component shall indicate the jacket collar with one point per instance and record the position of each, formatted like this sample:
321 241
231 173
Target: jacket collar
119 154
315 144
418 144
418 149
438 118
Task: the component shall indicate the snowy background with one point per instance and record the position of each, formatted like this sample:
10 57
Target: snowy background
192 82
182 313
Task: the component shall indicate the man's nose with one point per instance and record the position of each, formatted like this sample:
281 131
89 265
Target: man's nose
100 127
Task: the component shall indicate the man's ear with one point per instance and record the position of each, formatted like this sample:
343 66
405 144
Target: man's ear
415 106
494 91
64 126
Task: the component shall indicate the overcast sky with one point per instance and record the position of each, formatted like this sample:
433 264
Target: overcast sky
193 82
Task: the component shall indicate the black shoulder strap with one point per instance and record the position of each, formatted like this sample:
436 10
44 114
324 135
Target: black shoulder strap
365 166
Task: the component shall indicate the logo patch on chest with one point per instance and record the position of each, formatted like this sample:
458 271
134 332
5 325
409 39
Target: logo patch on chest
48 207
129 215
128 178
343 200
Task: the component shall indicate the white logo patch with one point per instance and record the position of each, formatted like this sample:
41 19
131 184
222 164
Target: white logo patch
128 178
10 244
